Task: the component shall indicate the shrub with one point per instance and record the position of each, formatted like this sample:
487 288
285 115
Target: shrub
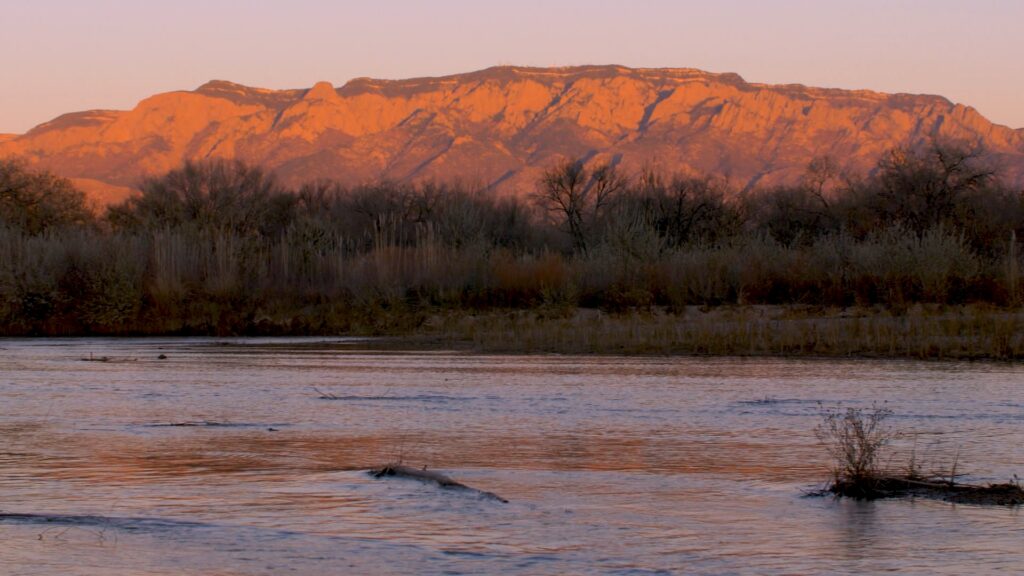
35 202
855 438
215 195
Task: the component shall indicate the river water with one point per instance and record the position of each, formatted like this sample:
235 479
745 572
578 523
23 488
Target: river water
226 458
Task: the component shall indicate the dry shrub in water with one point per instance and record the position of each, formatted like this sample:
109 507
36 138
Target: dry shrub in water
855 438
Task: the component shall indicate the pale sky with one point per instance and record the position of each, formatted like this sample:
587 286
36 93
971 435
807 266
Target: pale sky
69 55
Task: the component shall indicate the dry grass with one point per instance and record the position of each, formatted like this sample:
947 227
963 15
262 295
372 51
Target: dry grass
191 282
969 332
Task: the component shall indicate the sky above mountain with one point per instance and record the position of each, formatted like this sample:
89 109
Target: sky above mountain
64 55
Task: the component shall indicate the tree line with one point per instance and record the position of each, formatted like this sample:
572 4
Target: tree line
223 247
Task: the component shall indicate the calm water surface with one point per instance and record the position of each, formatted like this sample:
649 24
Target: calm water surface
611 465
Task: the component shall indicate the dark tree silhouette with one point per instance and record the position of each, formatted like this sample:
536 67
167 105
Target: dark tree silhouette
35 202
578 198
217 195
923 189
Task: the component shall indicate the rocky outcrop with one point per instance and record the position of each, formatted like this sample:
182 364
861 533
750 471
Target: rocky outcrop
502 126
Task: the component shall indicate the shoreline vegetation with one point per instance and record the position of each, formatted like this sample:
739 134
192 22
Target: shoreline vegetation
925 333
917 259
857 439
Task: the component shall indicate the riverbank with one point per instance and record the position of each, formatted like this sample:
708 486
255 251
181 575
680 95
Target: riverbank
969 332
920 332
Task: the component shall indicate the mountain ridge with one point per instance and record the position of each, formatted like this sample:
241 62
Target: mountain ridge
502 126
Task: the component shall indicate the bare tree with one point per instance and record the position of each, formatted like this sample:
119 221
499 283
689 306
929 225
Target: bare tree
801 213
922 189
579 198
607 186
821 177
684 210
214 195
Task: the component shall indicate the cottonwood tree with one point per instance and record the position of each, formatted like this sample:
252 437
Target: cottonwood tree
689 210
682 211
579 198
803 212
923 189
216 196
34 202
822 177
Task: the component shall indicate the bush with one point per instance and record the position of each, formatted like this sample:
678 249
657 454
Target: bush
217 195
36 202
855 438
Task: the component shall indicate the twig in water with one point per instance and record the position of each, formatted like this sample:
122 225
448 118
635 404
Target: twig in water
952 473
326 395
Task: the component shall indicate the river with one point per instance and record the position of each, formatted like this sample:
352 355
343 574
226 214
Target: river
248 456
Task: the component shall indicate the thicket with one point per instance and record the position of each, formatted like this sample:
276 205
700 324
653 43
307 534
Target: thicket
222 247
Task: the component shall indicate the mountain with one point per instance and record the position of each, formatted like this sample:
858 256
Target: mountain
501 127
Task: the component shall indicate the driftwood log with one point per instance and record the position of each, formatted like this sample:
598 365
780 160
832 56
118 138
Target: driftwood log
870 488
424 475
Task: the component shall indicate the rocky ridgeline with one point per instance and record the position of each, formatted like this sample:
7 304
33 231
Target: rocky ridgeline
501 127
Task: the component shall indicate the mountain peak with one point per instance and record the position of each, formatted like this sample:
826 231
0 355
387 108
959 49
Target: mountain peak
223 87
504 125
242 94
321 91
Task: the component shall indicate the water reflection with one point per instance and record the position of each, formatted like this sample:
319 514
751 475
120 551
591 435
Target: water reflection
857 529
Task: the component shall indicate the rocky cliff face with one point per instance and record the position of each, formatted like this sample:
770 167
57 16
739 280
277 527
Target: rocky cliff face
502 126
